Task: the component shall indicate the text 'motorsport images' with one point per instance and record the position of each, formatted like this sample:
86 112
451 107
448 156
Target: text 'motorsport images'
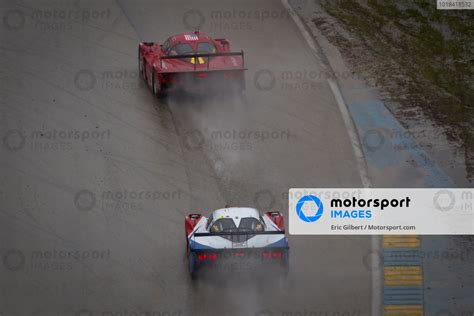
237 158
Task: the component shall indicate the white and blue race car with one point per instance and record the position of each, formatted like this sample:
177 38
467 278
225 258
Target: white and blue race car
236 233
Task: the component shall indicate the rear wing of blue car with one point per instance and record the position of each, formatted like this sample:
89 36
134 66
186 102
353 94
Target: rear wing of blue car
272 232
239 239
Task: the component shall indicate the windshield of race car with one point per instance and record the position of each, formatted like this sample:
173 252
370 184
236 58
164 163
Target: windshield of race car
185 48
181 49
223 225
248 224
206 48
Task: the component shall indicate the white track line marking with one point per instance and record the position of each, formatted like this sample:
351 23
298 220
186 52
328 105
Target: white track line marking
376 308
353 136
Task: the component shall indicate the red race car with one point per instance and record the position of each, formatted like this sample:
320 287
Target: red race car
192 62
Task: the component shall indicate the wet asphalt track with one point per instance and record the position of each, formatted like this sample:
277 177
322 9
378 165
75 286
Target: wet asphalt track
97 174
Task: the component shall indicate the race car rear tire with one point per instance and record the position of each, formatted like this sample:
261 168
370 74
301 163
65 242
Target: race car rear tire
157 87
192 265
286 263
141 65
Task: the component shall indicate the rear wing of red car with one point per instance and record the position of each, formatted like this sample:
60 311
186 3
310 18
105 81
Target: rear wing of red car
208 55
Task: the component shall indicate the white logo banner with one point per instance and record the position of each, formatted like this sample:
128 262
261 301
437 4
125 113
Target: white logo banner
354 211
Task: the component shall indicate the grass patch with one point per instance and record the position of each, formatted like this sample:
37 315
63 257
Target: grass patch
434 48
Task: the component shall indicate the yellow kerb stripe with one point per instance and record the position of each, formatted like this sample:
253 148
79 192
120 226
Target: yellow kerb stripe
403 241
403 310
402 276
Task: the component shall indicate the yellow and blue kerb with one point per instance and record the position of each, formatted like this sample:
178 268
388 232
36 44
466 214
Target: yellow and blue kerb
403 276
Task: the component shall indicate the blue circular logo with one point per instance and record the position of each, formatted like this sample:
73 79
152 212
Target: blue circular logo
316 201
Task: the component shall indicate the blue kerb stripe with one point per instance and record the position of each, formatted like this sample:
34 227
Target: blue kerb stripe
402 257
403 295
373 115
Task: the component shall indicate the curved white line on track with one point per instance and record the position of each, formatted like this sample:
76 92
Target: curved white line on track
377 278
